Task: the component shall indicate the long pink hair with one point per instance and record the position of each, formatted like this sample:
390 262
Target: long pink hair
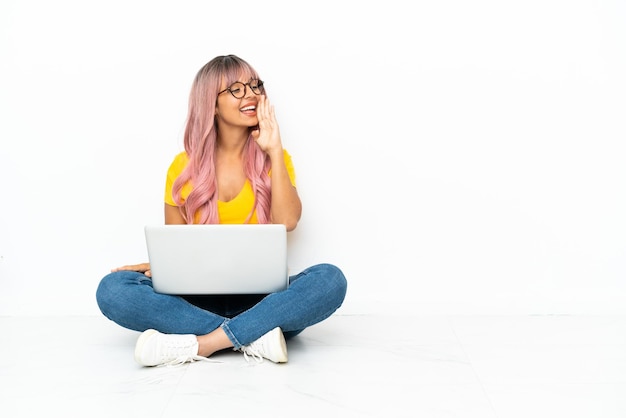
200 142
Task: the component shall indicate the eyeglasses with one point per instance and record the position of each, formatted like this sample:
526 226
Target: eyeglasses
238 89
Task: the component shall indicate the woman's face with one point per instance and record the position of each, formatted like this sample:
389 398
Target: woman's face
237 102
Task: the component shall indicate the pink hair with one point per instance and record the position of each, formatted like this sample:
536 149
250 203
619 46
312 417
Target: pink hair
200 139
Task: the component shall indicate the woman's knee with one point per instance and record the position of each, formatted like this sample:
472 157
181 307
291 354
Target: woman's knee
334 274
106 290
335 284
113 287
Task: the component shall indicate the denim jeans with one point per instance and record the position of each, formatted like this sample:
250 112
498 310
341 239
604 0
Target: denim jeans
128 299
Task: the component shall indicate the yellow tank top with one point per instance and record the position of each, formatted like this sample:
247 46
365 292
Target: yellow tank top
234 211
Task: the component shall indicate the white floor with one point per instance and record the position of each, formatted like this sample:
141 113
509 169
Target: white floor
347 366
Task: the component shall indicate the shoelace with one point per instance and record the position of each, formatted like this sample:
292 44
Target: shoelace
180 357
179 361
250 351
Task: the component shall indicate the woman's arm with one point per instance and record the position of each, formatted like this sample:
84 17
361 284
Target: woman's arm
286 205
173 215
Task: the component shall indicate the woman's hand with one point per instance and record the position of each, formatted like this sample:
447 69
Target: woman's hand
141 268
267 135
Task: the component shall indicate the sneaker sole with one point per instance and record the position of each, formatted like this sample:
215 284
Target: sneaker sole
283 345
140 342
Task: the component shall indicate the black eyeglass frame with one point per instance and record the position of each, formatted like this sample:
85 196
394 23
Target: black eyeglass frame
245 86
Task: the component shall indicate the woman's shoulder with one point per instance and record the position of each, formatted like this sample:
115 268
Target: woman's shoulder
178 164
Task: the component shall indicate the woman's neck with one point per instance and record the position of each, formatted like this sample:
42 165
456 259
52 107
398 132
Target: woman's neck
232 141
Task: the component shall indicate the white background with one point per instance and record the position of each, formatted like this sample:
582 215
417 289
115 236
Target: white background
452 156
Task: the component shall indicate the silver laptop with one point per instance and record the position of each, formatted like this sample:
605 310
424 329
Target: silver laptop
217 259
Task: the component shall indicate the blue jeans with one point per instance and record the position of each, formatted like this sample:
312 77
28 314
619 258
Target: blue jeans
128 299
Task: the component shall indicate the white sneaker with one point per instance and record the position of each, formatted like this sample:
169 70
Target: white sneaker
156 349
271 346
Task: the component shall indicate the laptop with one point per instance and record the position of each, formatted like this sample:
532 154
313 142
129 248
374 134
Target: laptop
217 259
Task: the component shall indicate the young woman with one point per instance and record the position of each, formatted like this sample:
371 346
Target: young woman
233 170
